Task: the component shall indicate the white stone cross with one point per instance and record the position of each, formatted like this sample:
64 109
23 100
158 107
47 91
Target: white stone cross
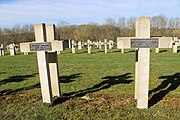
46 47
12 49
79 45
105 45
73 46
142 42
176 43
100 45
1 50
97 44
111 44
69 41
89 46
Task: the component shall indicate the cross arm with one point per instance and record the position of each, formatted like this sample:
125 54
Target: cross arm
41 46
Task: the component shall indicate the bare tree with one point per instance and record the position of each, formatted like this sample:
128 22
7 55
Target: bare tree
110 21
121 22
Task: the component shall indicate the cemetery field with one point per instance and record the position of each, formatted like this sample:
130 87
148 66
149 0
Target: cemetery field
96 86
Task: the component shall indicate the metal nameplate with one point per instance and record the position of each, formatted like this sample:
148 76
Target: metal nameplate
145 43
45 46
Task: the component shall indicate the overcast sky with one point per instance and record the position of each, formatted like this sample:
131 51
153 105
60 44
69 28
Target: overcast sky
13 12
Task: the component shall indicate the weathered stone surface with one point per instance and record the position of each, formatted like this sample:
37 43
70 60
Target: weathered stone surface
124 42
43 66
143 64
164 42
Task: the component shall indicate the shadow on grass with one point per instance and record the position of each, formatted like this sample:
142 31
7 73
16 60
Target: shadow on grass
107 83
2 72
9 91
81 52
16 78
169 84
130 51
98 51
117 51
178 51
161 51
67 79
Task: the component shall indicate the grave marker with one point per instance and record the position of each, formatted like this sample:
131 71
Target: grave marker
47 60
105 45
1 50
69 43
97 44
143 62
73 46
100 45
79 45
111 44
89 46
12 49
175 44
143 56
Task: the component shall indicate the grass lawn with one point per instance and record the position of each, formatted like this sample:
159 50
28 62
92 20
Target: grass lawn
107 81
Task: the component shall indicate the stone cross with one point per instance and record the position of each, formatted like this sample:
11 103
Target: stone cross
69 41
12 49
46 48
176 43
105 45
100 45
89 46
97 44
79 45
73 46
1 50
142 42
110 44
142 63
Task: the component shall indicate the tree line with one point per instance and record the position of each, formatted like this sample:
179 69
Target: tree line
111 29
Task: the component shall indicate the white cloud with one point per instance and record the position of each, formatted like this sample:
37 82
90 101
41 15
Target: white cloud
82 11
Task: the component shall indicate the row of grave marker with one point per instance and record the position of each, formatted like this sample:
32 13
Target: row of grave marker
11 48
122 43
90 44
125 43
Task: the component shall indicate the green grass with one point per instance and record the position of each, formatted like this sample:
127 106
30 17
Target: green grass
108 80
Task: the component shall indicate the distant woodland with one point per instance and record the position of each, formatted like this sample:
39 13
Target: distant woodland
111 29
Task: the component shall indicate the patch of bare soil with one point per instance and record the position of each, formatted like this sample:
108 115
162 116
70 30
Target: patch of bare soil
100 101
171 103
19 97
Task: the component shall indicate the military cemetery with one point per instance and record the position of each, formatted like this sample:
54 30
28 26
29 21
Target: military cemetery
123 68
